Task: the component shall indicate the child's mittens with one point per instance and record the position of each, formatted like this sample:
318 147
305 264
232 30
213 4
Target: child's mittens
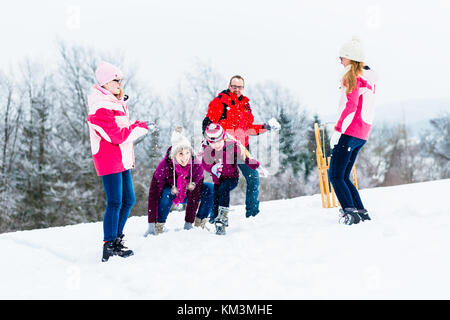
263 173
217 169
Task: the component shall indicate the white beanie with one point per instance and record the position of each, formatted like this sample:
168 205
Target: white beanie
353 50
179 142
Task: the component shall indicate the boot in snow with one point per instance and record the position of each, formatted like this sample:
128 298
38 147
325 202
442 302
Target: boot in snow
220 228
120 248
363 214
223 215
108 250
349 216
159 227
222 220
201 223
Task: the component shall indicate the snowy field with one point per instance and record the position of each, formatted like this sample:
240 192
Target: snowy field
294 249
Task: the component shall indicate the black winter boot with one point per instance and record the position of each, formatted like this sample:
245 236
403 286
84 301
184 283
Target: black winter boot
108 250
363 214
349 216
120 249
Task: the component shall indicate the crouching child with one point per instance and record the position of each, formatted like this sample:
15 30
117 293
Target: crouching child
220 157
177 180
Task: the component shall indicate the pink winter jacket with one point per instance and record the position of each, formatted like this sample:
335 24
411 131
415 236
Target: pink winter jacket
111 131
357 107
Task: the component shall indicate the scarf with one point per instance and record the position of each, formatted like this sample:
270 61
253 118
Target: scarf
181 182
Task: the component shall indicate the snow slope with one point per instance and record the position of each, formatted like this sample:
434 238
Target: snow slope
294 249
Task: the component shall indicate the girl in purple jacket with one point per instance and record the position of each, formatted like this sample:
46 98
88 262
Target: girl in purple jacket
220 158
178 179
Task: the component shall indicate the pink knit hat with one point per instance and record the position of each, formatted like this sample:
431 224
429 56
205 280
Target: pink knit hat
214 132
106 72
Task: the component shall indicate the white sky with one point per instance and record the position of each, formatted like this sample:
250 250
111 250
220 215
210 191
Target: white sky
295 43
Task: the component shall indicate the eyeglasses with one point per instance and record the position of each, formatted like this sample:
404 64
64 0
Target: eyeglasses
237 87
119 81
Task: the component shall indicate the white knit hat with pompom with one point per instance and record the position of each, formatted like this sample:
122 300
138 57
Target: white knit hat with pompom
179 141
353 50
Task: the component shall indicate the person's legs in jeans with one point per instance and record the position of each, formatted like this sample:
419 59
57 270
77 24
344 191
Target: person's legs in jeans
165 203
351 187
206 200
112 184
338 172
251 196
215 209
222 194
128 200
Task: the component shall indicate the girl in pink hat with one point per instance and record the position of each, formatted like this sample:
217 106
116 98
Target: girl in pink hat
112 135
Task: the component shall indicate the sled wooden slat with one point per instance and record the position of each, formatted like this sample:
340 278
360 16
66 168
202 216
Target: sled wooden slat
327 192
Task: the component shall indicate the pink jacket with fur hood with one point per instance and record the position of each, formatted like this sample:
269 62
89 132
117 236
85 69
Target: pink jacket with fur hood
357 107
112 133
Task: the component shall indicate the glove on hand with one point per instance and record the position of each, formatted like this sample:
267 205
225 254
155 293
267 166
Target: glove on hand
217 169
273 124
263 173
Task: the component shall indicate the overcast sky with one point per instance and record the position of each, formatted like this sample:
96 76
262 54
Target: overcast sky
295 43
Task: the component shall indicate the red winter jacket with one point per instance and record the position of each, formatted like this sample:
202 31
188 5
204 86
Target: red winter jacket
235 116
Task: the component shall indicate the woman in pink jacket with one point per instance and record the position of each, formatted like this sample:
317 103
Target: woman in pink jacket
112 135
352 129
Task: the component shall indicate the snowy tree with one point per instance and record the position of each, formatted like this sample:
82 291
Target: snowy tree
11 108
35 172
436 147
272 100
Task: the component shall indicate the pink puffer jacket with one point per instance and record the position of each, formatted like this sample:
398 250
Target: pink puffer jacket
357 107
112 133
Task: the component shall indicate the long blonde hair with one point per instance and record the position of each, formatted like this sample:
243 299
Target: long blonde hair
349 78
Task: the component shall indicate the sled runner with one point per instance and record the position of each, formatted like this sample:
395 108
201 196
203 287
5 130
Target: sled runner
323 162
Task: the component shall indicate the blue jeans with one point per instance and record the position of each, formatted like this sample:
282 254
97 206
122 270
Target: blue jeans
343 157
251 197
120 199
206 202
222 194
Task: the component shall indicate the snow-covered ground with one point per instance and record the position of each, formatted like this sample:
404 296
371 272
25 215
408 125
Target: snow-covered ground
294 249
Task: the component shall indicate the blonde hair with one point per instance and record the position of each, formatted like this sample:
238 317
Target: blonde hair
120 95
349 79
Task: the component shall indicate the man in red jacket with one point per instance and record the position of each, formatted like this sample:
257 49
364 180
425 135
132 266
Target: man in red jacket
231 109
